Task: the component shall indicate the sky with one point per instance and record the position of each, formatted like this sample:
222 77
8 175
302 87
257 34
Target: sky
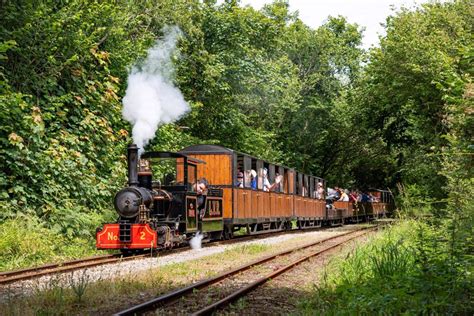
367 13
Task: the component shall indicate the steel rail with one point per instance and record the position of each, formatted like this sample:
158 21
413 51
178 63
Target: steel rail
24 274
177 294
243 291
48 266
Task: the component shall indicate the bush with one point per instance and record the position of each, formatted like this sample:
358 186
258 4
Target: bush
25 241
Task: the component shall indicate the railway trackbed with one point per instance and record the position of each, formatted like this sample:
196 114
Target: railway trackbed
210 295
68 266
53 268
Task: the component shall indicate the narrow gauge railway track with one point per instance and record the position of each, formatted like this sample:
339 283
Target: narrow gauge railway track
53 268
188 295
67 266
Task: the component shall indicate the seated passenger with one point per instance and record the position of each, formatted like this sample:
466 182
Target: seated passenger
240 180
364 198
201 188
265 183
267 187
332 194
319 193
344 196
353 197
253 179
278 182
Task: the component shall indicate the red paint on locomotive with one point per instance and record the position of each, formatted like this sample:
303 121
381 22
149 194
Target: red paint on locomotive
142 237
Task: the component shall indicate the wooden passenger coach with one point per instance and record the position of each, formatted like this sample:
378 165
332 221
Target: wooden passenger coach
253 208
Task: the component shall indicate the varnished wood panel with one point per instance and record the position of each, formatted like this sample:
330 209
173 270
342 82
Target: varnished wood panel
320 208
227 203
261 201
179 170
290 201
248 202
272 209
217 169
345 206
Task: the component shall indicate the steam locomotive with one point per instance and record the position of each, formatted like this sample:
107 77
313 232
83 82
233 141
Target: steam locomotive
162 206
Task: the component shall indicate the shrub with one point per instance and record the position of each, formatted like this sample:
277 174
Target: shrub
25 241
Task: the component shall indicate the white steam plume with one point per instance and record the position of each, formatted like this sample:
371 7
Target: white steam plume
151 99
196 241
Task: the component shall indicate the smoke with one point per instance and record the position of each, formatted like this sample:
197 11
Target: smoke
196 241
151 99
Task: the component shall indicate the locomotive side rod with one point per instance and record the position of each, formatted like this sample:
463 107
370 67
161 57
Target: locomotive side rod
179 293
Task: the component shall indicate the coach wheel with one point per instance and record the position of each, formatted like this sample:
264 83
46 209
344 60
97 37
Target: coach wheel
228 234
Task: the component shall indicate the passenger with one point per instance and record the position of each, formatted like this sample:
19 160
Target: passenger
364 198
201 188
265 183
332 194
253 179
344 196
330 198
240 180
319 193
267 186
337 193
353 197
373 198
278 182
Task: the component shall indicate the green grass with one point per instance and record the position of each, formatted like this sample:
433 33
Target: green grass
25 242
407 269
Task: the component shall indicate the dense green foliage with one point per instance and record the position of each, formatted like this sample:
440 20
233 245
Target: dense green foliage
424 61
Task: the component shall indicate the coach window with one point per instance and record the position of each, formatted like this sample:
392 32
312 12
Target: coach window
299 184
247 172
286 181
311 187
260 174
271 172
239 178
281 174
271 177
305 186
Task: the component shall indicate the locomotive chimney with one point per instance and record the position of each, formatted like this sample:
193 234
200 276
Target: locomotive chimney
132 156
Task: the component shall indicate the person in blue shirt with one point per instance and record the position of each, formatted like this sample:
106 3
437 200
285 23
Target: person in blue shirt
253 179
